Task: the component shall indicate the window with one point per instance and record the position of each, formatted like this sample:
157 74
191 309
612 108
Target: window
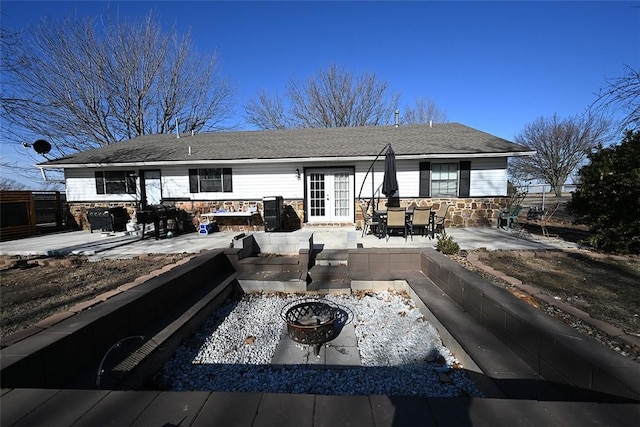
115 182
444 179
211 180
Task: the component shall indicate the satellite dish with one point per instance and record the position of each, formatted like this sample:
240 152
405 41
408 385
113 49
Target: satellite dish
41 146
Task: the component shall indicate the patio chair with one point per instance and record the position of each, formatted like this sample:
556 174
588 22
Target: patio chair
509 216
421 220
441 218
368 223
397 220
546 217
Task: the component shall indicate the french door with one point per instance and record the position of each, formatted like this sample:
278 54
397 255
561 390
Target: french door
152 187
329 195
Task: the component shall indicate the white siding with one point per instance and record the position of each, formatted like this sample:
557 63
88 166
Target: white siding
488 177
81 187
255 181
250 181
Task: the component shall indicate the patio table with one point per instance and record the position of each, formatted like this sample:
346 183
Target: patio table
382 214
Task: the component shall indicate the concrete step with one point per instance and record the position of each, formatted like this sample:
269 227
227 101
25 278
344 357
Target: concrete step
331 257
269 263
272 281
322 273
336 286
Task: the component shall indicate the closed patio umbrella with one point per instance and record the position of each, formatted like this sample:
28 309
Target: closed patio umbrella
390 182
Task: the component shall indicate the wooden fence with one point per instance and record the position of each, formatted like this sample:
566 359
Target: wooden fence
22 212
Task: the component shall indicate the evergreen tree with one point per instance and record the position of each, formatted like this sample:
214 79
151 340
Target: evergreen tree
608 198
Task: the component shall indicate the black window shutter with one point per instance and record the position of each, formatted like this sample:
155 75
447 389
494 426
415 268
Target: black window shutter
100 182
193 180
425 179
227 184
465 178
130 177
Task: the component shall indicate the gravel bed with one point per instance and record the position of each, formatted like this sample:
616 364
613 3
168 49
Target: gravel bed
401 353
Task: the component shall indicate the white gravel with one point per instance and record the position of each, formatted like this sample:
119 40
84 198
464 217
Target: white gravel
401 353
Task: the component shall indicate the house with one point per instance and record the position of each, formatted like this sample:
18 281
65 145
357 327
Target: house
319 173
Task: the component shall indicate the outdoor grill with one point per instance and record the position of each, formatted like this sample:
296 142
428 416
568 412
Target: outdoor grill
163 217
108 219
314 322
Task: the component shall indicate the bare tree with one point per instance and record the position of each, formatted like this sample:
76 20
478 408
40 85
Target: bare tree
8 184
561 146
266 112
83 83
622 94
334 97
424 111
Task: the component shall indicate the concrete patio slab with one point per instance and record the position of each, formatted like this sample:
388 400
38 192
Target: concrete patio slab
119 245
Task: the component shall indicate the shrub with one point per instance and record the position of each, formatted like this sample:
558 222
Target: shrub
608 198
446 244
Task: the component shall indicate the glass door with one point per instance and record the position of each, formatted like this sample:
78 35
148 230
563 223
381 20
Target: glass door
330 195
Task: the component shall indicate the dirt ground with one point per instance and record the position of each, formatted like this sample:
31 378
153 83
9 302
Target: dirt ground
33 288
607 287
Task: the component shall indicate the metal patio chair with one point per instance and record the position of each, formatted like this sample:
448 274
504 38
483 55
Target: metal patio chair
397 220
421 220
368 223
510 216
441 218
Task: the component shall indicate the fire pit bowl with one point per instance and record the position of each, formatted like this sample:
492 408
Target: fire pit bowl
314 321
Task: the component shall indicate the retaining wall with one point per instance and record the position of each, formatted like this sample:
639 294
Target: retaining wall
556 352
56 356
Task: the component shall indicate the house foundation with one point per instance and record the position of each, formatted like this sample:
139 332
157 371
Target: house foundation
464 212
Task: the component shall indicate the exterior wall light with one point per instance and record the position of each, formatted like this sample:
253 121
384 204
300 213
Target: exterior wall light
298 173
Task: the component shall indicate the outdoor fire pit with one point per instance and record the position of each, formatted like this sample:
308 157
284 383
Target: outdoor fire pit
314 321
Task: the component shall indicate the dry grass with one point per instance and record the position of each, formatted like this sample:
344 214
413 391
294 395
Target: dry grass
606 287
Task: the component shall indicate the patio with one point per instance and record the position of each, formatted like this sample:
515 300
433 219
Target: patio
120 245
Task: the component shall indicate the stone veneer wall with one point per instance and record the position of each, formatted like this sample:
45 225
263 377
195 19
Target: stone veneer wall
465 212
78 211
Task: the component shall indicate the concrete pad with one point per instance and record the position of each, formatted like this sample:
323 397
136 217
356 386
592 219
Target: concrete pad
16 404
506 412
288 353
66 407
118 408
119 245
341 357
339 353
401 411
280 410
347 337
334 411
173 408
229 409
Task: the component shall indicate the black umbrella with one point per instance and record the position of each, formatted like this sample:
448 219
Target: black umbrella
390 183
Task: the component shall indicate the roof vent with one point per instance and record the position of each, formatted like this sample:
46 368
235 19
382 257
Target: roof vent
397 118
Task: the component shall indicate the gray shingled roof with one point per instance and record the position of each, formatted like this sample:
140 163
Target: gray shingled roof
451 139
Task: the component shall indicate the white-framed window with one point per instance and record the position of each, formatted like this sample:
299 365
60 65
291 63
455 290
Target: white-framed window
210 180
115 182
444 179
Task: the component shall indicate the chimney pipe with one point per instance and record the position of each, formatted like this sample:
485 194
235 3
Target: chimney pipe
397 118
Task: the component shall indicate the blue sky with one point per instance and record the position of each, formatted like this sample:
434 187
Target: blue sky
495 66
